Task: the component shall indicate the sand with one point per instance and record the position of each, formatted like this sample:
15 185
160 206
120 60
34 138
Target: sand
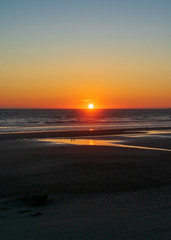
94 192
87 132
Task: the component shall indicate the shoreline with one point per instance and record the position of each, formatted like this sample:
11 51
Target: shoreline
76 133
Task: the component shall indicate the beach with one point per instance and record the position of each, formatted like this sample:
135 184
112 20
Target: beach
85 120
94 191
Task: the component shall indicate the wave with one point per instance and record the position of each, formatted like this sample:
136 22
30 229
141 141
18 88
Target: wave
22 118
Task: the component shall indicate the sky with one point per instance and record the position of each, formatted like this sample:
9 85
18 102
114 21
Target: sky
69 53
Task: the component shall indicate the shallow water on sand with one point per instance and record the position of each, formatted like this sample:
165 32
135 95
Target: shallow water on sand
123 142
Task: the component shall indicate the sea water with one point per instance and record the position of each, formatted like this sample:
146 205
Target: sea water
22 120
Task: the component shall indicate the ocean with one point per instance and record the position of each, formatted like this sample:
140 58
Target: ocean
28 120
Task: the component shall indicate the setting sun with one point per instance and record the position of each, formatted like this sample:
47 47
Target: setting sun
90 106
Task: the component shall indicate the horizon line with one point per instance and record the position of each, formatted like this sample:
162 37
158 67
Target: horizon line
83 108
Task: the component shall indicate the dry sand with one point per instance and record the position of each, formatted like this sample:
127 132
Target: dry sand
95 192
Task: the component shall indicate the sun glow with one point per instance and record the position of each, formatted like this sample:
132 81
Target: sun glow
91 106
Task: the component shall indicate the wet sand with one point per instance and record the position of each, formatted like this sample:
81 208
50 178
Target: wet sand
95 192
76 133
29 166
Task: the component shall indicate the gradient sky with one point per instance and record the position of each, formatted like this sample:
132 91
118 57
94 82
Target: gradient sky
68 53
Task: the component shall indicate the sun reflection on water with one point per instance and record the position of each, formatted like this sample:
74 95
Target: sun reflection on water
78 141
93 142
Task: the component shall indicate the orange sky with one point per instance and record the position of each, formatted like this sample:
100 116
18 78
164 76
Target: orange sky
136 84
56 56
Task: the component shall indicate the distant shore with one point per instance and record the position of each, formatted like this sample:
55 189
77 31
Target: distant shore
76 133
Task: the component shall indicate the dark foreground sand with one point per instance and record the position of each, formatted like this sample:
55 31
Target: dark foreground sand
29 167
95 192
